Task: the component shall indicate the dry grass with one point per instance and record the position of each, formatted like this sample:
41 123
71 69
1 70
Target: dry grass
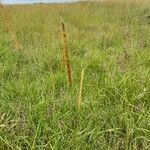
66 59
79 100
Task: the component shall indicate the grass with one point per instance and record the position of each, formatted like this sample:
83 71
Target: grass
110 40
66 59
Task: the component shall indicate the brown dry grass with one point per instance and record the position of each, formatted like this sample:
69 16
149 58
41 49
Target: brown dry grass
66 59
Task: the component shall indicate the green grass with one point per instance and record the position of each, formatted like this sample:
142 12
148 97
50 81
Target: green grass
111 41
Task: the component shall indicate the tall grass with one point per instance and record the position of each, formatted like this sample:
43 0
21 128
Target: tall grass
7 18
79 101
66 59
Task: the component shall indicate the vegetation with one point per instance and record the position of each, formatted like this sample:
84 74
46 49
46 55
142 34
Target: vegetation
107 108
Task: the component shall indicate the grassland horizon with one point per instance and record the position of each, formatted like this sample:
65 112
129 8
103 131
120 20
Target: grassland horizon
22 2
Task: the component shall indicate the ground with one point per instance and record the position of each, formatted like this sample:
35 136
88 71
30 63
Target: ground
110 41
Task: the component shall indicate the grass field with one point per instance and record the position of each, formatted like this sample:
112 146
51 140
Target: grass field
110 41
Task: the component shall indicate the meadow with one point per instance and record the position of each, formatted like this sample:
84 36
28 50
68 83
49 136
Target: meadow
108 105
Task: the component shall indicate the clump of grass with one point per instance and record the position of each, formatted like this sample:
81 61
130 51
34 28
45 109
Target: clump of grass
66 59
9 26
16 43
